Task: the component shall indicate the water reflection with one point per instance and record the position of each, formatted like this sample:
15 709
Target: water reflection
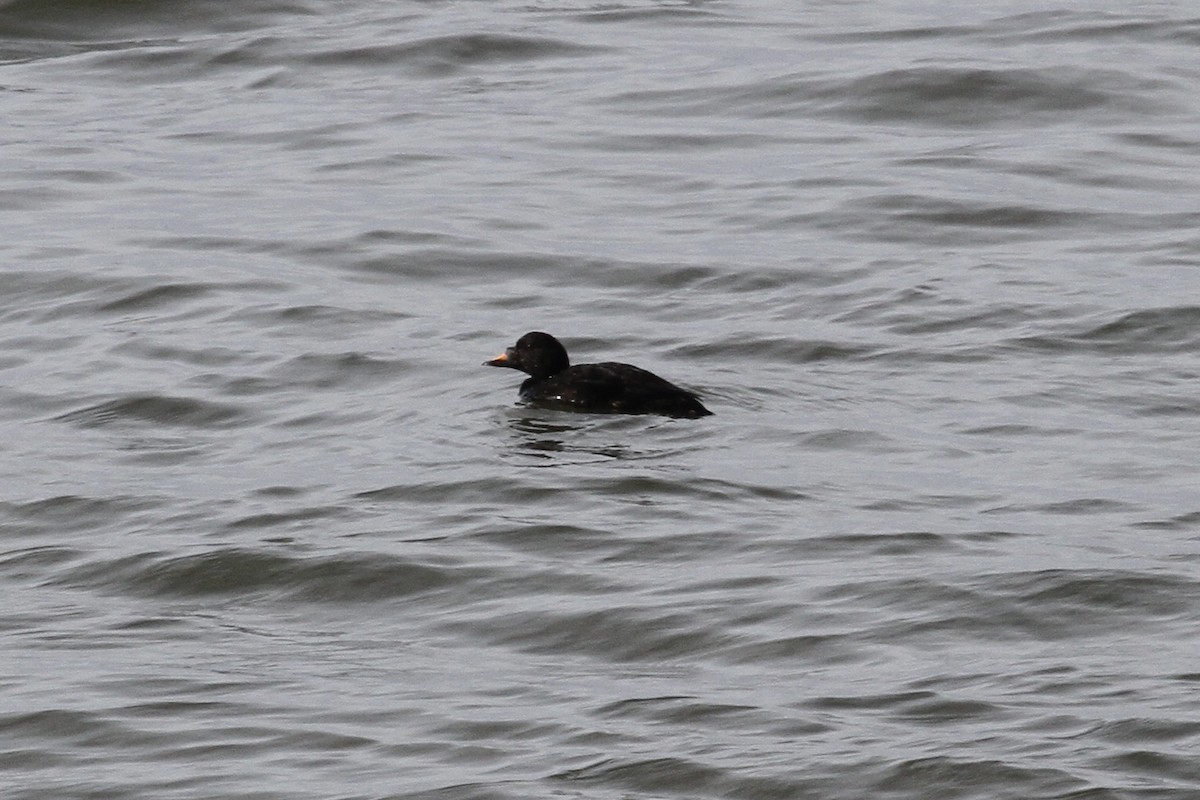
561 437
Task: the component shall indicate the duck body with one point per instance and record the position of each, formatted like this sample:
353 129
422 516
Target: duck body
605 388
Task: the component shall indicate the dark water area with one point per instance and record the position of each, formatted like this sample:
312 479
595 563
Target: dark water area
268 529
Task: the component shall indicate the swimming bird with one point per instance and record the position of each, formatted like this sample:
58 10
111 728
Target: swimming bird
604 388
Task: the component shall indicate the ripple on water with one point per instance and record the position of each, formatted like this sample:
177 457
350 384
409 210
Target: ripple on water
241 572
159 410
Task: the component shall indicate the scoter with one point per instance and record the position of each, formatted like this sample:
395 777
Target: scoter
604 388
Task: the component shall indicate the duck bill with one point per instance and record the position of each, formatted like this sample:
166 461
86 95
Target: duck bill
501 360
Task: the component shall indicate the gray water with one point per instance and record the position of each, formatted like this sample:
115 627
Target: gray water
270 530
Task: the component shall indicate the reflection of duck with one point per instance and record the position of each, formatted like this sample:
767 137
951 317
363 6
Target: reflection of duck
605 388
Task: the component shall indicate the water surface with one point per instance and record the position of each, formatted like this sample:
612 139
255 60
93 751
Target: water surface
268 530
